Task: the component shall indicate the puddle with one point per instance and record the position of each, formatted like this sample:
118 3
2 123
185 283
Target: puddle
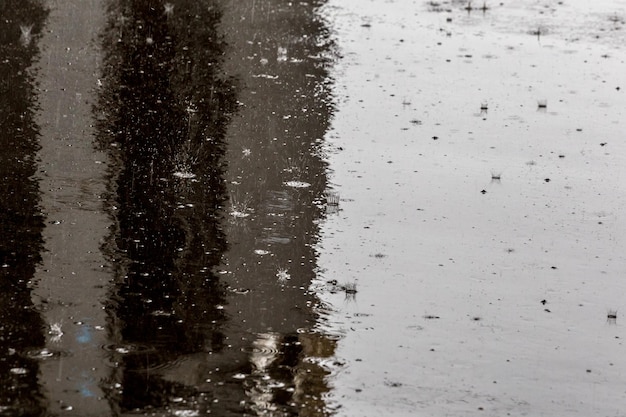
325 208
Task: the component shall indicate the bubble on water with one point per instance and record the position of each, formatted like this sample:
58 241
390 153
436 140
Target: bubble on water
239 376
261 252
19 371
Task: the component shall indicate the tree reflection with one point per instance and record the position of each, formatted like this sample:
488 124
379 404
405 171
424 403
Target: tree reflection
200 318
21 223
163 112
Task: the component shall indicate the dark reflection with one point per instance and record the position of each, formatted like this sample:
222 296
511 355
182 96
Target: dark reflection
216 201
21 223
163 113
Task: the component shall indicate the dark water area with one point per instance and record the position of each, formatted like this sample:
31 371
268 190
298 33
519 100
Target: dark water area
163 181
163 112
21 221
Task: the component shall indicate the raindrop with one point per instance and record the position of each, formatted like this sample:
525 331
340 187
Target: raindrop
186 413
297 184
281 54
184 175
26 37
